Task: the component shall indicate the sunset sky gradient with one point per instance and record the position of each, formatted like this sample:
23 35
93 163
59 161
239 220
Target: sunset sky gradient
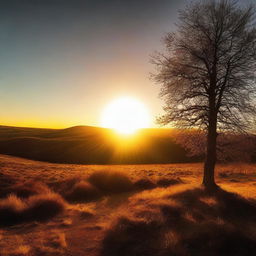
63 61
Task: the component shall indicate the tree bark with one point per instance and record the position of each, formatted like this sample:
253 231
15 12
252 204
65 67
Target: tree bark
210 161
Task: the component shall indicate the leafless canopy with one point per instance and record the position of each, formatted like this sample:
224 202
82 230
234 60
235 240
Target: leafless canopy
209 67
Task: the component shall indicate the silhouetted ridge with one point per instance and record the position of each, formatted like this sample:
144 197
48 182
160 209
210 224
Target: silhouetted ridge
91 145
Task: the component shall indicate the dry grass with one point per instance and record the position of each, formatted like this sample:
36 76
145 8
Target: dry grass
26 189
22 250
166 212
182 224
82 191
144 184
14 210
111 182
52 244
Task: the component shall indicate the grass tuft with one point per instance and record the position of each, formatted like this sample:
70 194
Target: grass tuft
14 210
44 207
111 182
28 189
83 191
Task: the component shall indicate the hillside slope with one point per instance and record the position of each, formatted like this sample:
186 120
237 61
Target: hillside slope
91 145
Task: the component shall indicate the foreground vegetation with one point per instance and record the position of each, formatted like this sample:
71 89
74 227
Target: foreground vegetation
58 209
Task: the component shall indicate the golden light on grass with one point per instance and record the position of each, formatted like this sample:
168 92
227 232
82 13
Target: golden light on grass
125 115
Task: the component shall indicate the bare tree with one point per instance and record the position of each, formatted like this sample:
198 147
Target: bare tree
207 73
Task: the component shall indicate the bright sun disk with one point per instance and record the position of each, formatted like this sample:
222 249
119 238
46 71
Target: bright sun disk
125 115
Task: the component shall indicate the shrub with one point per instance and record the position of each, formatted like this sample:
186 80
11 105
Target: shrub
13 210
44 207
83 191
111 182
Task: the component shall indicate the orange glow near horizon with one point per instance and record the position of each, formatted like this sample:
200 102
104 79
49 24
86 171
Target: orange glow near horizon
125 115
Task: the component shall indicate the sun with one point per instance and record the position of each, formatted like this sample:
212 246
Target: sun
125 115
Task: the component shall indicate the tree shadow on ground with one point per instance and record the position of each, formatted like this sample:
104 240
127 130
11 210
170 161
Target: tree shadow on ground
201 222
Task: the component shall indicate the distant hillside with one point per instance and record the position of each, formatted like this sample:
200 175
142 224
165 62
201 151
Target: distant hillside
91 145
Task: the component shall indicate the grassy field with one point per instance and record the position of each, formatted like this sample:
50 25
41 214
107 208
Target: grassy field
112 210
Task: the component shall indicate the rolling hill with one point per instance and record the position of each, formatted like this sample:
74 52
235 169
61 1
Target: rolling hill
91 145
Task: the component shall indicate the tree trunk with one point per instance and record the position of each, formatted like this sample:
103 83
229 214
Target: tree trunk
210 161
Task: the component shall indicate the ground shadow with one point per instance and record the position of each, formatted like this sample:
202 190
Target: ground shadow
202 222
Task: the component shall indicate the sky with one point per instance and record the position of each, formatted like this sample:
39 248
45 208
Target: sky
62 62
